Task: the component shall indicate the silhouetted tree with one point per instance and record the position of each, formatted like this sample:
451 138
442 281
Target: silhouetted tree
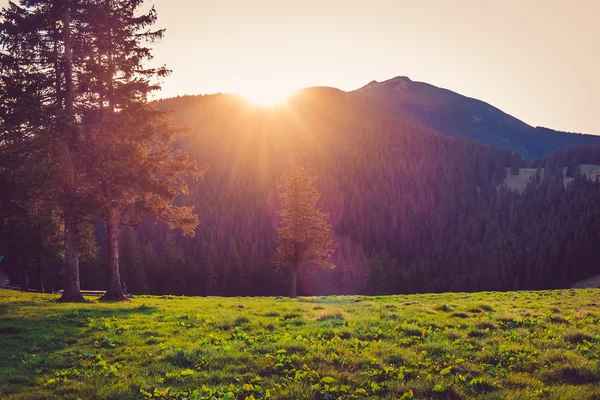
41 104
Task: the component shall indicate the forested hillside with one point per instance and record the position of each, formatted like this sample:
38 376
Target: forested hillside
413 210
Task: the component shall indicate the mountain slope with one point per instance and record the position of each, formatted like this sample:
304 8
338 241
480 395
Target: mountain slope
413 210
454 114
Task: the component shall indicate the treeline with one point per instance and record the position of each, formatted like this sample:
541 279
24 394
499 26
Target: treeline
570 158
413 211
79 142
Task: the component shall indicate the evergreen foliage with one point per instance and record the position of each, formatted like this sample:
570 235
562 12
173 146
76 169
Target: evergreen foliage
74 92
305 238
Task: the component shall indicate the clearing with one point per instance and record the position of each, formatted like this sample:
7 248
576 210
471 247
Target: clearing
514 345
519 182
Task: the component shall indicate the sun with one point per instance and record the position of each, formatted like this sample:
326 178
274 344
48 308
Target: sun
266 96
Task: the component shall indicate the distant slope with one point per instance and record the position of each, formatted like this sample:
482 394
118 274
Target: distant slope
457 115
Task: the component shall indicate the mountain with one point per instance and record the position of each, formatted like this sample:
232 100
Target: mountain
457 115
413 210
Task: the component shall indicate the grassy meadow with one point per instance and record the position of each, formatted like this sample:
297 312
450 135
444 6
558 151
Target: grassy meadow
515 345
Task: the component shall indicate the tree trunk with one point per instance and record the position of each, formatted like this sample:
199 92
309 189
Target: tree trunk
294 286
25 278
68 58
71 292
41 272
114 291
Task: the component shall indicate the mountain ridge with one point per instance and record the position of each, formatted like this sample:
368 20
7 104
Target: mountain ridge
455 114
451 113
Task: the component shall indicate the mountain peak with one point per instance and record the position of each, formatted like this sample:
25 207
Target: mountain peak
398 79
397 83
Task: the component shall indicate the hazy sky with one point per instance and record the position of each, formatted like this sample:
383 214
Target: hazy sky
538 60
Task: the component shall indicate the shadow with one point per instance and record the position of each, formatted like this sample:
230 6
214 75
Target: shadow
83 307
10 330
124 311
30 345
37 338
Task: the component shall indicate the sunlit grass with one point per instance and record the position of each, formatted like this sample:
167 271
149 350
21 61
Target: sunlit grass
486 345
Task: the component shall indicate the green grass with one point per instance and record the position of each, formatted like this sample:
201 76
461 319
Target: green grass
522 345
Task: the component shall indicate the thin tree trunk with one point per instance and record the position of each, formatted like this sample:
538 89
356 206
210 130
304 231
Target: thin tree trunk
114 291
68 58
294 286
25 279
71 291
41 272
115 286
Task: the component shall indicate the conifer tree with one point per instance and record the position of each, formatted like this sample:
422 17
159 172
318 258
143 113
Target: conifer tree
305 237
40 105
130 143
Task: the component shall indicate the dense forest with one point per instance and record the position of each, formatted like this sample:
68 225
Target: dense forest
413 210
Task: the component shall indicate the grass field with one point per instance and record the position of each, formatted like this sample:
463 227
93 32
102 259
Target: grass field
486 345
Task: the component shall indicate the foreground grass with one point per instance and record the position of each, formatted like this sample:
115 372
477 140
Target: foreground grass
486 345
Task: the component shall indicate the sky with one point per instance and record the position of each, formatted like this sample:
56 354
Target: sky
538 60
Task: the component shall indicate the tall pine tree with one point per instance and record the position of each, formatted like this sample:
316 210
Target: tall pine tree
40 106
131 160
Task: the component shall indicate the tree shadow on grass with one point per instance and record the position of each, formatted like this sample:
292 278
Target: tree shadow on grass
35 338
126 311
87 306
27 348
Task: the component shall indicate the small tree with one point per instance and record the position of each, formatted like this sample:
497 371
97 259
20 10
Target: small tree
305 238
